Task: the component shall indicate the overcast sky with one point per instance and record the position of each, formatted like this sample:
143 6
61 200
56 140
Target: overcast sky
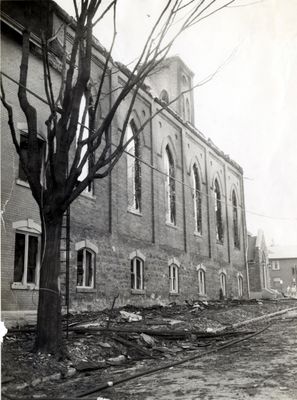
249 109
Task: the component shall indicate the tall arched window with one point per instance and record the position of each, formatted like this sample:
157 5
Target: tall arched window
235 221
218 211
197 199
170 187
173 278
133 169
83 130
183 107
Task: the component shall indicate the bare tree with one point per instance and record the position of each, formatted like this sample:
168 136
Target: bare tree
68 149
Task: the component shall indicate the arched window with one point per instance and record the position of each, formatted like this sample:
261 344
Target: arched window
137 267
85 268
164 96
188 111
83 133
201 280
133 168
235 221
223 284
197 199
218 211
173 278
170 187
240 285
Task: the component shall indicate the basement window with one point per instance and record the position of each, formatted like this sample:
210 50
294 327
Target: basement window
137 266
240 285
85 268
201 282
26 260
173 279
223 283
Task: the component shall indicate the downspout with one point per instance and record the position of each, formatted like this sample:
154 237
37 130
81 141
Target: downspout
183 189
245 237
152 176
227 216
207 200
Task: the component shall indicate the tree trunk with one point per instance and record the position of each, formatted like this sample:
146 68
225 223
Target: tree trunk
49 324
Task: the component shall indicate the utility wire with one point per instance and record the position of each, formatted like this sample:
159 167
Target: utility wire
158 170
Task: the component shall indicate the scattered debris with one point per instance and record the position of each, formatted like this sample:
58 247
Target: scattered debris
130 317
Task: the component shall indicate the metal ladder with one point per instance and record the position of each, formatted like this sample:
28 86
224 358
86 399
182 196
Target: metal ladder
65 263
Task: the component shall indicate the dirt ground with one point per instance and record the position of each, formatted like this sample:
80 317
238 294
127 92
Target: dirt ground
262 367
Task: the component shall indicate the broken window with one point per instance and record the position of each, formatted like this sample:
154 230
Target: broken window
133 169
83 123
173 278
26 258
235 221
85 268
240 285
170 187
137 274
24 152
223 283
197 200
201 282
218 212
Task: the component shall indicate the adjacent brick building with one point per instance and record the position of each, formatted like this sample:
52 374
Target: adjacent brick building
283 262
138 233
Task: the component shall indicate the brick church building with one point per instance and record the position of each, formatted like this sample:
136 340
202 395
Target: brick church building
138 233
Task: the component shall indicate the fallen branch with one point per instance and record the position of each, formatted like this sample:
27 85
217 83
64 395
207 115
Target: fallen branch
166 366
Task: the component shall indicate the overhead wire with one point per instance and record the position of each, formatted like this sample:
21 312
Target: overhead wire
160 171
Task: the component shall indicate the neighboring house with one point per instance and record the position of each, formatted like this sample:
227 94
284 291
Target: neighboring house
138 233
258 265
283 262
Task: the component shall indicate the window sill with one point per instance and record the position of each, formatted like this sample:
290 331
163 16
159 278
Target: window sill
171 225
21 286
88 195
85 289
173 294
138 291
197 234
22 183
134 212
